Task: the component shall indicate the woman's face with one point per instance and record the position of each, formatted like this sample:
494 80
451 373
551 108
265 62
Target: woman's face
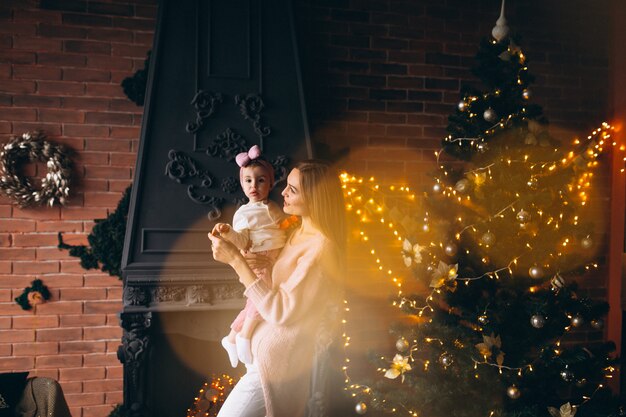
294 200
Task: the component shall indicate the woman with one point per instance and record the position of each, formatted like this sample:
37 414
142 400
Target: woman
285 376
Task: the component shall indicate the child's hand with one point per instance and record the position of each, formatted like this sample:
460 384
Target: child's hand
220 228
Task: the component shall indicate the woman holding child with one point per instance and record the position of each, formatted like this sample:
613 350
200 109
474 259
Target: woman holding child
297 305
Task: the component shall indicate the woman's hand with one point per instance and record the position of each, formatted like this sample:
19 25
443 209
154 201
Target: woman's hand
224 251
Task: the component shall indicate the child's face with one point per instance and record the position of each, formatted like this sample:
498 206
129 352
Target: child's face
255 183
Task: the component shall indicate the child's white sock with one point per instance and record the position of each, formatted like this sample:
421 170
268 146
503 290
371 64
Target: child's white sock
244 350
231 349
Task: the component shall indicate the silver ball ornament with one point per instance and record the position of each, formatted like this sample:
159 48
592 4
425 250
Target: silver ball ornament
402 344
437 188
597 324
567 375
577 320
462 105
360 408
538 321
490 115
513 392
523 216
446 359
451 249
488 238
536 272
462 185
586 242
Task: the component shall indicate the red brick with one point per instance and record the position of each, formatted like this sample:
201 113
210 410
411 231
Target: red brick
35 349
123 159
35 322
112 35
72 387
86 75
5 350
74 400
52 129
107 172
92 185
35 239
5 267
59 360
36 101
14 254
51 335
8 336
133 23
115 397
59 226
5 240
36 44
11 225
15 281
79 213
6 296
96 199
61 59
85 103
72 294
92 307
16 363
64 32
125 106
85 130
108 118
50 115
89 47
68 267
62 88
18 114
101 280
114 294
36 16
46 373
119 186
108 145
39 267
101 359
104 333
36 73
105 90
82 374
81 347
82 320
61 307
64 280
114 372
125 132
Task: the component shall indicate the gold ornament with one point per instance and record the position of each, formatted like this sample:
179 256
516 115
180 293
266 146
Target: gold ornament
360 408
513 392
488 238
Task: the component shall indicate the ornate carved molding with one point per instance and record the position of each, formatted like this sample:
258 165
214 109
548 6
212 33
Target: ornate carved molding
132 353
251 107
182 168
280 168
227 145
182 295
230 185
205 103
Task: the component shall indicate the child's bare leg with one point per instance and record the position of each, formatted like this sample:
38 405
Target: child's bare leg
244 349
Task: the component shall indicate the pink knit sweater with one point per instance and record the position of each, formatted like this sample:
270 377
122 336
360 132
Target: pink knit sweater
303 285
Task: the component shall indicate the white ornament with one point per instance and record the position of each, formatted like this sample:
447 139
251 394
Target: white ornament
500 30
360 408
490 115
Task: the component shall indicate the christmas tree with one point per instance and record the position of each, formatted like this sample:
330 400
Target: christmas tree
498 243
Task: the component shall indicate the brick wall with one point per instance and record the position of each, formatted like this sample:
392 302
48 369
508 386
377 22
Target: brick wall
61 64
381 77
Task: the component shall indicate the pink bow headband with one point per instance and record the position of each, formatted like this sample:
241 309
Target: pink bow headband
244 158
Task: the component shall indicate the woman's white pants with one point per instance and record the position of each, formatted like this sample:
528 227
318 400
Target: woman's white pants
246 399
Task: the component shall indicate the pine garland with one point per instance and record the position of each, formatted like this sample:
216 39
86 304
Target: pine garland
106 241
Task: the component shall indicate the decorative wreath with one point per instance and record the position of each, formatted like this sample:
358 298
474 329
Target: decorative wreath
29 147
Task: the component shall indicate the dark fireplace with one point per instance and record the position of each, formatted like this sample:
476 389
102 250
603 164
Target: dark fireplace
224 75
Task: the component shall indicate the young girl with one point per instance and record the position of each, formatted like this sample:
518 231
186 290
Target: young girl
256 229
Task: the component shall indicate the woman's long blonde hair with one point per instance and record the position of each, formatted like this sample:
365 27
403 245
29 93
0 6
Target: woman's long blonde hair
323 196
